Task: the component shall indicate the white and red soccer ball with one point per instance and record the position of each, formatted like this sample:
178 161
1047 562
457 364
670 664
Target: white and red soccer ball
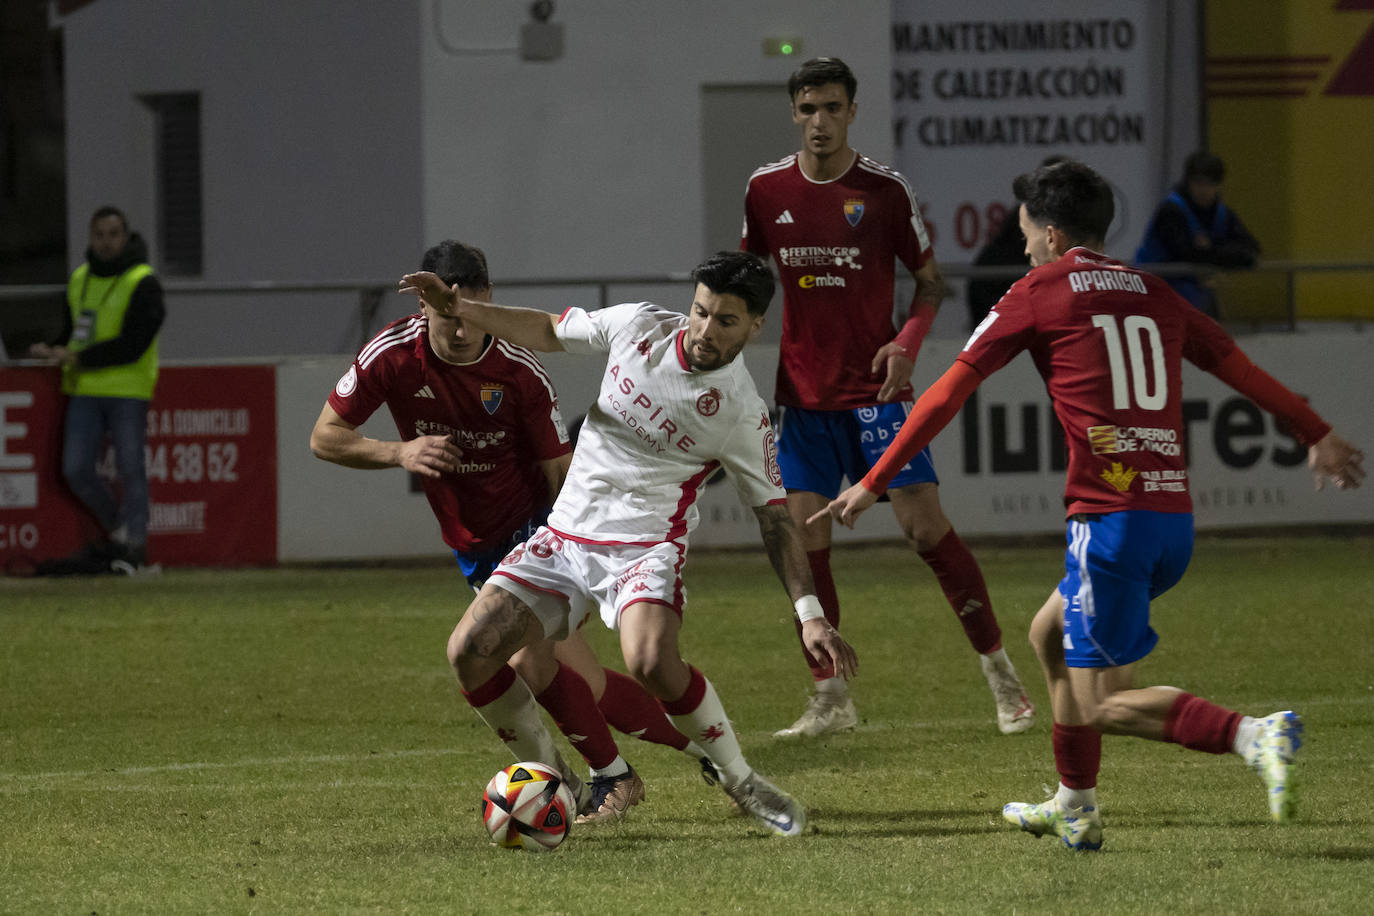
528 806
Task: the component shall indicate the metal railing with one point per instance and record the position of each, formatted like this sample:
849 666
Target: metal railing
1282 310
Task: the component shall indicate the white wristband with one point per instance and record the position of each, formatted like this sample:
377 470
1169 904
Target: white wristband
808 608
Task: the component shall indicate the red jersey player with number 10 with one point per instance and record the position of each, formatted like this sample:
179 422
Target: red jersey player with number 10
836 223
1109 342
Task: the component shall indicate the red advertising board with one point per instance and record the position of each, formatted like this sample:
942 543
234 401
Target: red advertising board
212 468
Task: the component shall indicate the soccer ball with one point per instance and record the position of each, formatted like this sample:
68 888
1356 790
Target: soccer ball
528 806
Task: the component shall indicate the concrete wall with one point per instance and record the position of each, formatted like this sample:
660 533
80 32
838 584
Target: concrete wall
310 131
592 163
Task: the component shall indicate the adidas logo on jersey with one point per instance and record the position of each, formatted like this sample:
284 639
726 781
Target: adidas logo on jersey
425 393
785 218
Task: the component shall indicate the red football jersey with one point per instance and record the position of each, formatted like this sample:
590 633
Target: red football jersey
836 244
1109 342
500 409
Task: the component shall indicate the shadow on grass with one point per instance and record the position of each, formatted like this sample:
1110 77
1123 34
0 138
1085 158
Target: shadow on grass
1335 853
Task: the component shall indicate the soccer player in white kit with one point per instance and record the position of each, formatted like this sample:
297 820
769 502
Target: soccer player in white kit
675 404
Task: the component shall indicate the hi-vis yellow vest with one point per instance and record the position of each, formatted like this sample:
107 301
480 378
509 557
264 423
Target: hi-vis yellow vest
98 305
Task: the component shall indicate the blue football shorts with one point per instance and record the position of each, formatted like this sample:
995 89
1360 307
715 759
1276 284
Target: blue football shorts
477 566
817 449
1115 565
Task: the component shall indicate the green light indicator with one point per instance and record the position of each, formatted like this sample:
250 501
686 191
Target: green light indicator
785 48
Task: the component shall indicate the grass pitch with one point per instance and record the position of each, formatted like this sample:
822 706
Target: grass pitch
292 741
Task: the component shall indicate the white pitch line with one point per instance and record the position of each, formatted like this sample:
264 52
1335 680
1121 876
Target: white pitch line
224 765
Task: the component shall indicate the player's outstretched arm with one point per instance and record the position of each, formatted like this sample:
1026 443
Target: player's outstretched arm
533 328
788 556
1328 455
1332 458
335 440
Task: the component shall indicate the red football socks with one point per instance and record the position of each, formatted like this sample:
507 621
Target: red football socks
1077 755
1200 725
570 702
819 561
629 709
962 582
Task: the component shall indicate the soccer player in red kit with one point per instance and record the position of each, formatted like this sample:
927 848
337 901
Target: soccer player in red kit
837 223
1109 342
479 422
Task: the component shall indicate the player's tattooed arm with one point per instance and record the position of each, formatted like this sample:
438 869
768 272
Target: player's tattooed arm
783 543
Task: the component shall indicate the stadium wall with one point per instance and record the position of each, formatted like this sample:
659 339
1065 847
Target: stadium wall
339 140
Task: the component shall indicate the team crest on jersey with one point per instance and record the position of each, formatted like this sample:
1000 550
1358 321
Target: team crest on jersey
491 396
853 211
709 403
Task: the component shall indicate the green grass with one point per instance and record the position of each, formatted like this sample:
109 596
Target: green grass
292 740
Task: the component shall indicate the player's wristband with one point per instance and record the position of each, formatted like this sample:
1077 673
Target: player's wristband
808 608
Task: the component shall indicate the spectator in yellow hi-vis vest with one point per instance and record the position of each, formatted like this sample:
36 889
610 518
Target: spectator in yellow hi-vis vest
108 354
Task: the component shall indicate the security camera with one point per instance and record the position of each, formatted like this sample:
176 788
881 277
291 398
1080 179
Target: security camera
541 10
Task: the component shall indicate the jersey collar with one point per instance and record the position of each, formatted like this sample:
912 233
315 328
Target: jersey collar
680 345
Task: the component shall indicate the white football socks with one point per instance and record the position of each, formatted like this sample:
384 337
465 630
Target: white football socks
1246 743
515 719
710 725
1075 798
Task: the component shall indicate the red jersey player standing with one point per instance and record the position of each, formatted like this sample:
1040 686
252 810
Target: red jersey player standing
479 422
837 223
1109 342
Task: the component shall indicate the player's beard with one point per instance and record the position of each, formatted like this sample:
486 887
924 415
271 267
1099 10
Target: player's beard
705 361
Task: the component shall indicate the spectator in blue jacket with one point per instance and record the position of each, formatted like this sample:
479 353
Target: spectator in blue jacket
1193 224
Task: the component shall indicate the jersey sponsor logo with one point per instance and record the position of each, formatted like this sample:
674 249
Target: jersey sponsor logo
492 394
463 438
425 392
784 218
1120 477
709 403
1165 481
348 382
811 281
644 346
853 211
820 256
1113 440
1115 279
770 457
657 429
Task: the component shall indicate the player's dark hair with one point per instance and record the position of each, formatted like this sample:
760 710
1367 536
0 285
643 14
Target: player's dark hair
738 273
457 264
820 71
1068 195
107 211
1204 166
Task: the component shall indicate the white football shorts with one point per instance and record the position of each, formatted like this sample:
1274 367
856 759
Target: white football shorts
561 578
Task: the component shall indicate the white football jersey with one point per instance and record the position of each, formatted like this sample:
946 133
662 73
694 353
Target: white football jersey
657 431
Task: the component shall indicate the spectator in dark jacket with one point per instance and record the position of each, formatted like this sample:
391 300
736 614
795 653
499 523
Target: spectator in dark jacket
1193 224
